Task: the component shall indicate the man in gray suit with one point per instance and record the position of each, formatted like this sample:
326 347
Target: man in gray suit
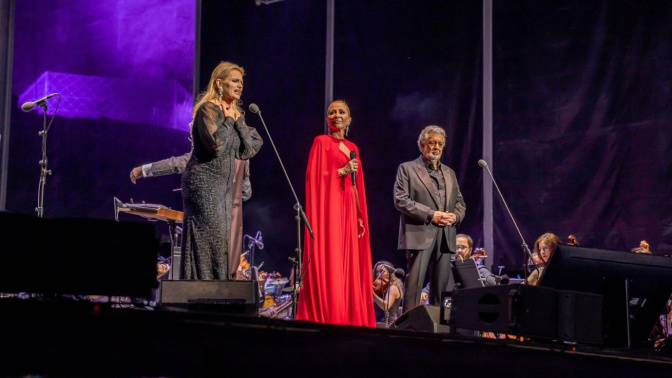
431 205
242 191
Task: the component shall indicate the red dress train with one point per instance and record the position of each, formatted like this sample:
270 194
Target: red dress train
337 284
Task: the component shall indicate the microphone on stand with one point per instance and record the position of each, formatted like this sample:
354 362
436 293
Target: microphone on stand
258 241
353 155
526 249
28 106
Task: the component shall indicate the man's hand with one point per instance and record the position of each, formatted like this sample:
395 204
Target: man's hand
136 173
444 219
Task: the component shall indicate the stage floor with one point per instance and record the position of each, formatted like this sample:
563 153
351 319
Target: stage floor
82 338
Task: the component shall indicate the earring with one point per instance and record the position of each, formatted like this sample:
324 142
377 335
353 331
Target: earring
347 128
221 93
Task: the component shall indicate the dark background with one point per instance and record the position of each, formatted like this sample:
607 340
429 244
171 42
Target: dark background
581 118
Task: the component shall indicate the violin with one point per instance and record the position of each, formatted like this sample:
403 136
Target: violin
244 265
479 253
643 248
380 285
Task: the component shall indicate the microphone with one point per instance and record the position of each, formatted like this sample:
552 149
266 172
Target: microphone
254 108
28 106
399 273
353 155
484 164
258 241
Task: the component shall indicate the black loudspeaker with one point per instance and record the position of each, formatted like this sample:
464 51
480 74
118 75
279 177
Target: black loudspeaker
421 318
513 309
530 311
77 256
580 317
236 297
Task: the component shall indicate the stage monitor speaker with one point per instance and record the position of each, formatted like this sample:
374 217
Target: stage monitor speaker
529 311
512 309
421 318
580 317
239 297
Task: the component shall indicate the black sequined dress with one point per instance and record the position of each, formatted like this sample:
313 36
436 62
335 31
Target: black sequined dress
207 192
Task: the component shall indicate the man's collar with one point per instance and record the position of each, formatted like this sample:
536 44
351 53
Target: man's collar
429 164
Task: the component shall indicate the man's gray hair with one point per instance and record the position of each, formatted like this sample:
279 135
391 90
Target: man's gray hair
430 129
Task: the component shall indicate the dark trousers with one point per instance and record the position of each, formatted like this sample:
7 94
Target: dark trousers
434 260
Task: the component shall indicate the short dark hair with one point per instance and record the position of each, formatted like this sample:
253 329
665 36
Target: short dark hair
470 241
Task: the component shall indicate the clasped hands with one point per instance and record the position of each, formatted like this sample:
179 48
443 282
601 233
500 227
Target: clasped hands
441 218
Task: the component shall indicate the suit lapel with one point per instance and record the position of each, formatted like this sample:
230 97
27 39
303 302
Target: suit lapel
421 171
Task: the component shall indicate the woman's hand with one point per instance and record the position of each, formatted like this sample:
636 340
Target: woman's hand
348 168
361 230
229 110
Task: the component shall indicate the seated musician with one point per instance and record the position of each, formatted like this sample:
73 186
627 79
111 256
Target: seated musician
465 247
387 293
543 248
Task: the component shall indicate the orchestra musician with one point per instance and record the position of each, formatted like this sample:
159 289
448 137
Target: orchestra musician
465 246
387 293
543 248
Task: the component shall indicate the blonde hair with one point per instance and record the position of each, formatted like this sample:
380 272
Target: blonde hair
221 72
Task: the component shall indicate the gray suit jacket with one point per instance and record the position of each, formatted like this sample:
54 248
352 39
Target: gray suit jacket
414 198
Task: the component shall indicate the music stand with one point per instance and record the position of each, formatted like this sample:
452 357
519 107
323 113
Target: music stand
466 273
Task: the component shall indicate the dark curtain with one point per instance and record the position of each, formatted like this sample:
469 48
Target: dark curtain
403 66
281 47
399 67
582 123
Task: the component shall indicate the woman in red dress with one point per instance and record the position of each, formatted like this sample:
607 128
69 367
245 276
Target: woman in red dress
336 285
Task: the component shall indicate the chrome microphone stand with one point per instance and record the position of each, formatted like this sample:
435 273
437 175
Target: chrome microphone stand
526 250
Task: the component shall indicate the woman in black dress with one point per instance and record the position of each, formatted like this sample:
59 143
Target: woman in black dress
219 136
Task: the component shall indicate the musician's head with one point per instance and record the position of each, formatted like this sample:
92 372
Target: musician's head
545 245
383 269
465 245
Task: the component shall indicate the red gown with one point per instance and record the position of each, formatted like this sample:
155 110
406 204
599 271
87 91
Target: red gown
337 284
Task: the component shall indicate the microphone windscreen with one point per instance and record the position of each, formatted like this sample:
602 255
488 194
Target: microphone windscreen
254 108
505 280
27 106
482 163
399 273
